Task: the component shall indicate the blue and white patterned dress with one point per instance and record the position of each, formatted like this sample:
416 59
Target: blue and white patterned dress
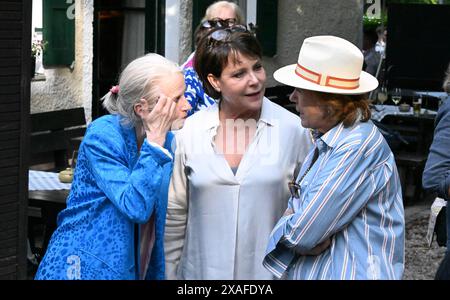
195 94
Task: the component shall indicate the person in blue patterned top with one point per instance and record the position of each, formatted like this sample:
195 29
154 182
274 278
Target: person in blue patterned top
195 93
345 218
218 14
113 225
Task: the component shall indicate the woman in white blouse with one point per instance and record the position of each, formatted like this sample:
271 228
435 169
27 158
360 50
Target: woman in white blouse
232 166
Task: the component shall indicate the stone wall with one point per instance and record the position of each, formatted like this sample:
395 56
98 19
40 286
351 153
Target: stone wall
297 19
185 44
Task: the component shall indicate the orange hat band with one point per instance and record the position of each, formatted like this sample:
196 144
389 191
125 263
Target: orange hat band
320 79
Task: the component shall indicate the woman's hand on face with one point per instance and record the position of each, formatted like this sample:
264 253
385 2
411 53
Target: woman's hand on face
159 121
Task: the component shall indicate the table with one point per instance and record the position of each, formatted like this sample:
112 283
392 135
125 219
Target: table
48 194
410 138
45 181
381 111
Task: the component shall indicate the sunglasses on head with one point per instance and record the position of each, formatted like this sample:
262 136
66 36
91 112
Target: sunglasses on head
217 22
221 35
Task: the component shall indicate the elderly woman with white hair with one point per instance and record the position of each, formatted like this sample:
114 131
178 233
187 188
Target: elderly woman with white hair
219 14
113 225
345 218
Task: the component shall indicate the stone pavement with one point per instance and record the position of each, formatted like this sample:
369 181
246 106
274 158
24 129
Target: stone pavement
421 261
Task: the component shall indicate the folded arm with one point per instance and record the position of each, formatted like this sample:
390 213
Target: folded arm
341 188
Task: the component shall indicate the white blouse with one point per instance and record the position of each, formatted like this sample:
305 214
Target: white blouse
218 223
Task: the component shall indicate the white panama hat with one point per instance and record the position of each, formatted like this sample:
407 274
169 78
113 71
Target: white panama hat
328 64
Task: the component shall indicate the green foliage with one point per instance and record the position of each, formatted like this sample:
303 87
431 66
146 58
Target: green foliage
373 23
38 47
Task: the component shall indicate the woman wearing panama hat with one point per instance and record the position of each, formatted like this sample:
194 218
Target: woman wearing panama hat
345 218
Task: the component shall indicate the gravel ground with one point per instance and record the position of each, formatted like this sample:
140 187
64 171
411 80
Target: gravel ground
421 261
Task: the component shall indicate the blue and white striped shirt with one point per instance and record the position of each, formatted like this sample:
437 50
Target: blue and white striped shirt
352 194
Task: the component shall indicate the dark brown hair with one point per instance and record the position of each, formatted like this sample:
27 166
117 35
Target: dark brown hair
211 57
346 108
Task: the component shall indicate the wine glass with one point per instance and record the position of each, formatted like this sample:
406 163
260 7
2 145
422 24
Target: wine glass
382 95
396 96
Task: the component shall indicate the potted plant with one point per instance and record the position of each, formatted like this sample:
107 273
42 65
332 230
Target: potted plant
37 48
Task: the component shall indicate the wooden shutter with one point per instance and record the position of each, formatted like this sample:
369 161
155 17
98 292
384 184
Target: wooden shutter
198 11
15 55
155 14
267 22
59 32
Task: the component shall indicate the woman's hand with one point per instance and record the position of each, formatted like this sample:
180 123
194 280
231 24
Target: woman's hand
158 121
316 250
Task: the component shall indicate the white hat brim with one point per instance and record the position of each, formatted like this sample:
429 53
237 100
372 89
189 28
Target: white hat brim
287 76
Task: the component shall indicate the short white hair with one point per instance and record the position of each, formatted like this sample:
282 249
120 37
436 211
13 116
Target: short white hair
139 80
237 11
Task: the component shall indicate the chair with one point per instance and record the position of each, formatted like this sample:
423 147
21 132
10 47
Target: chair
411 155
53 138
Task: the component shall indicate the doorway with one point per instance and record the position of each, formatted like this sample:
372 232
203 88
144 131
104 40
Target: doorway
123 31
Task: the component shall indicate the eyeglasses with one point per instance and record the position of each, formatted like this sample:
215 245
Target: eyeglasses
217 22
221 35
294 189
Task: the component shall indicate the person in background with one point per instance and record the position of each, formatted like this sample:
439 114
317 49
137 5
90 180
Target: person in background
113 225
218 14
233 162
371 56
345 218
380 46
436 175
